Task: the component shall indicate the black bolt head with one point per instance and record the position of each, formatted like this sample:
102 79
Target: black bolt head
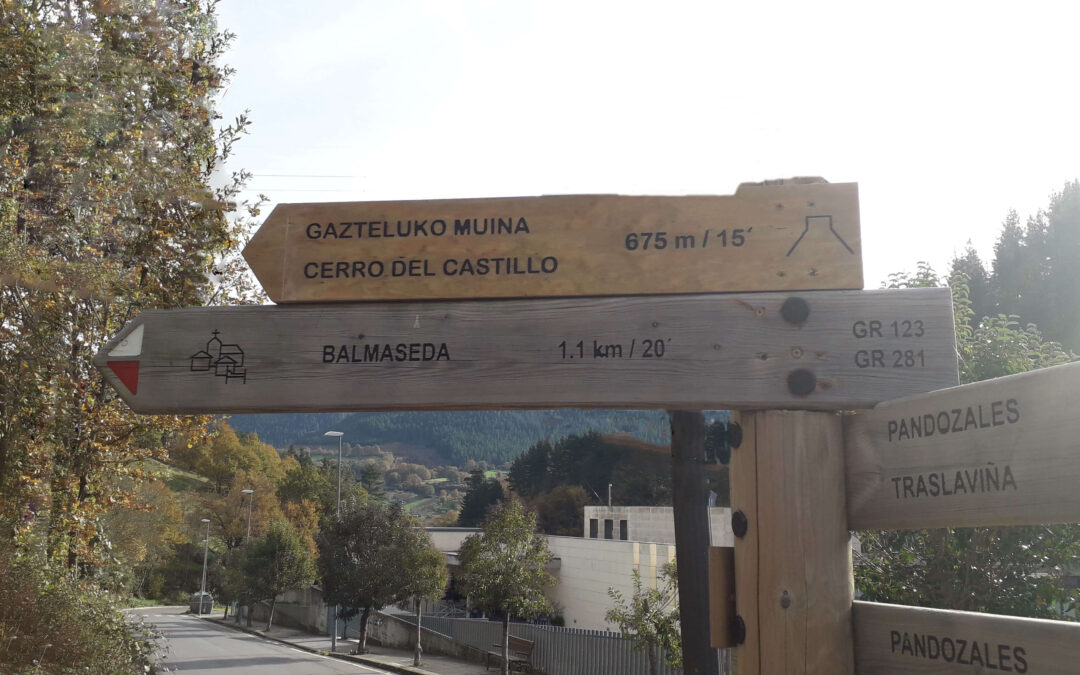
739 524
795 311
734 434
738 630
801 382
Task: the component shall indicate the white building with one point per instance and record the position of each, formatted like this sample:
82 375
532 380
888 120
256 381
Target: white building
642 539
650 524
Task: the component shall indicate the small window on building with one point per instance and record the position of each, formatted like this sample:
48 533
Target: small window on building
609 528
594 528
624 530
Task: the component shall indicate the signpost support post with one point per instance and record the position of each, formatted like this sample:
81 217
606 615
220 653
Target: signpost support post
692 539
793 573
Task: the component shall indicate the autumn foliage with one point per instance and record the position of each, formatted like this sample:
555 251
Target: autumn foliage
108 142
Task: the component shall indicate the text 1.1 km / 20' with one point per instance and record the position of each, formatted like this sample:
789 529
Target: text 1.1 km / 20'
642 348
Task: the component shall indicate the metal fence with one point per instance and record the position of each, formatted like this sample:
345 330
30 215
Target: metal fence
561 651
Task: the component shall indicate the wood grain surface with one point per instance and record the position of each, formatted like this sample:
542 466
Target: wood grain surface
804 578
703 352
721 597
1000 452
891 639
744 499
762 238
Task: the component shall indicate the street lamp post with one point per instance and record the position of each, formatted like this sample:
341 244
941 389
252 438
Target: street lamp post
337 608
337 435
251 498
206 551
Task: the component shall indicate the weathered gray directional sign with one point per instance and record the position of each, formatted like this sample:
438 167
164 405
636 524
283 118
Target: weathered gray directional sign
891 639
820 350
1001 452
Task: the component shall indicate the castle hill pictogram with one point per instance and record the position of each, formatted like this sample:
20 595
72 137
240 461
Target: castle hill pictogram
825 221
225 360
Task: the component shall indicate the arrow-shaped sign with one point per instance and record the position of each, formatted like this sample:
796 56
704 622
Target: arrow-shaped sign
837 349
891 639
1000 452
762 238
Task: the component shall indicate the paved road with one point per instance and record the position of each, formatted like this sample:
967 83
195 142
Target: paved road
197 646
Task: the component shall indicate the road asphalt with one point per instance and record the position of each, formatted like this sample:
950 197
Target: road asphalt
208 645
195 645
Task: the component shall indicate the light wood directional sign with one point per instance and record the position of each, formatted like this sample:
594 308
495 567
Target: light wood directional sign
762 238
891 639
1000 452
807 350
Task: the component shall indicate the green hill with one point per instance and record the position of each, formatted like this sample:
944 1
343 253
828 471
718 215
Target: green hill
492 436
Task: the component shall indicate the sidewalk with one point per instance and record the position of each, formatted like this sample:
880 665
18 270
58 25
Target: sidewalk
395 660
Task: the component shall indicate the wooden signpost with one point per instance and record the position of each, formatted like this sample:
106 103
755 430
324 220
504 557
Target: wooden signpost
1000 452
892 639
762 238
994 453
829 350
793 567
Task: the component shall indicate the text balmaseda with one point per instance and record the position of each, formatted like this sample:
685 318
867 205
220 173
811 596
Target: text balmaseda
386 352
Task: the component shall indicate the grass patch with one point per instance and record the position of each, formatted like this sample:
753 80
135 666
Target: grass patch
142 602
178 480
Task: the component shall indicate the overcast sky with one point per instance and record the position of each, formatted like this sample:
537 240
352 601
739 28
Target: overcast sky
947 114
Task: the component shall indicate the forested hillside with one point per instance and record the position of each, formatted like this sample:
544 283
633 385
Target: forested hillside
492 436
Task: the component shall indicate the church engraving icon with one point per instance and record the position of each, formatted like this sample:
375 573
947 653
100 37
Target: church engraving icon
224 360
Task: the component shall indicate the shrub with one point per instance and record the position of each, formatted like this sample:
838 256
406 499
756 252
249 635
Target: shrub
50 623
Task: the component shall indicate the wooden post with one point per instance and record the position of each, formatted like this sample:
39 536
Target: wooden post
721 597
793 576
692 539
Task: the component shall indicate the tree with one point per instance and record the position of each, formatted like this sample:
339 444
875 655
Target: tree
481 494
107 123
528 475
304 517
143 534
223 453
277 562
231 582
971 266
1036 269
650 617
1005 570
1063 275
306 482
504 568
426 575
372 480
182 570
267 461
229 512
371 557
559 512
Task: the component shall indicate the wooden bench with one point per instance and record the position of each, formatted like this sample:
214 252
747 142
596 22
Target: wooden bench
520 652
